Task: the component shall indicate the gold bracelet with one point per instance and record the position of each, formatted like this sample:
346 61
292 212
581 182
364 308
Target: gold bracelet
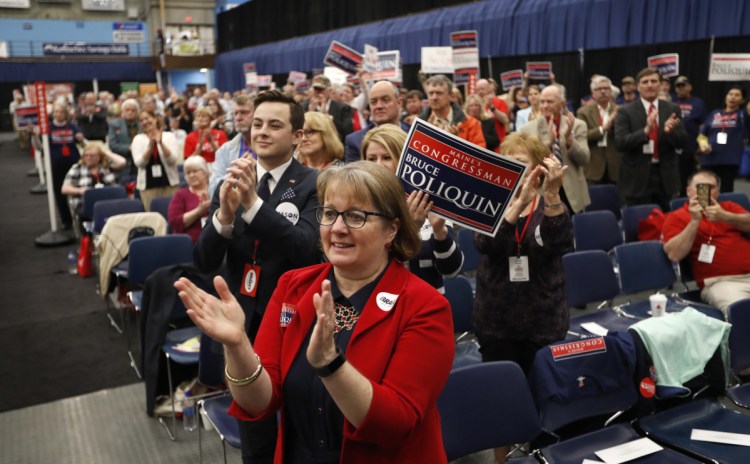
246 380
556 205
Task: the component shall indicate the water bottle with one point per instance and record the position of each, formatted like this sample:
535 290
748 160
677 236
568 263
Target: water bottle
72 262
189 421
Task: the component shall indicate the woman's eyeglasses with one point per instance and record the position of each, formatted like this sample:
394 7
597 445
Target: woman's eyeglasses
353 218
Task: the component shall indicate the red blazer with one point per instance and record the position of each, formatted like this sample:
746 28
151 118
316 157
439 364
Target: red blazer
405 349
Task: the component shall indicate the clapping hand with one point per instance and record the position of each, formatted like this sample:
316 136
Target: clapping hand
220 318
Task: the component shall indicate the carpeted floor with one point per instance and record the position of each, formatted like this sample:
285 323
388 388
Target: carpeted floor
54 334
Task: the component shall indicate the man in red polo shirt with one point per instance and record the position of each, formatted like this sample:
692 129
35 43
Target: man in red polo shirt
711 237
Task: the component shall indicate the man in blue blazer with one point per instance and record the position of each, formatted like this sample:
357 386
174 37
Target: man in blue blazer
650 135
262 219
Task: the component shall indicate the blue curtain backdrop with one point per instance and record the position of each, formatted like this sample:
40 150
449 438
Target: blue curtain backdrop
62 71
507 28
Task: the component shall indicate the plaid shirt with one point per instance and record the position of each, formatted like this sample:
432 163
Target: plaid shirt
80 176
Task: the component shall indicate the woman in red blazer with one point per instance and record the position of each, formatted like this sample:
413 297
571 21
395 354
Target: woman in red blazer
377 402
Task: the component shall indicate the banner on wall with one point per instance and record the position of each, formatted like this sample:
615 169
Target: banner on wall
145 89
437 60
103 5
467 184
465 46
15 4
668 64
729 67
84 49
128 33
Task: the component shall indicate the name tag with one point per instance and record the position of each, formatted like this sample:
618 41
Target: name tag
706 254
519 268
648 148
250 279
721 138
156 171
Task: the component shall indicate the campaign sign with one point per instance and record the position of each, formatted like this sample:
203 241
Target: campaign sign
465 45
510 79
296 76
575 349
40 91
729 67
437 60
387 67
302 86
668 64
371 57
342 57
469 185
265 80
26 116
540 70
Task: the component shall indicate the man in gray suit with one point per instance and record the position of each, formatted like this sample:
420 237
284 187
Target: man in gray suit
604 167
650 135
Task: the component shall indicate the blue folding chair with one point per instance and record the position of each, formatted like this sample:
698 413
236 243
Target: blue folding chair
596 230
93 195
644 266
105 209
216 411
631 216
674 428
739 350
161 205
147 254
589 278
677 203
461 298
738 197
484 406
605 197
575 450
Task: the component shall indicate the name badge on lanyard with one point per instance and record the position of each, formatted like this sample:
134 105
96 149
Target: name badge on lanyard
648 148
251 276
706 254
721 138
519 268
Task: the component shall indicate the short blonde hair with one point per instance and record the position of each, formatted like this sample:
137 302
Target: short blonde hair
198 162
101 150
203 111
372 183
331 141
389 136
483 116
530 144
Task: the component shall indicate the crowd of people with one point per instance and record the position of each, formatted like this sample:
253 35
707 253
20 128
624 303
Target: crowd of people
292 197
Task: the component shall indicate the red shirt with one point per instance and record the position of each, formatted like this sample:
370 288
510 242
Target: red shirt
732 248
191 141
499 103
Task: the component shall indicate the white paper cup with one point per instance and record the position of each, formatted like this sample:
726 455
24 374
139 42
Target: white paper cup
658 305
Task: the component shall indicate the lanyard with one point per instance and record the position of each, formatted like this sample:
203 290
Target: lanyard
519 238
255 250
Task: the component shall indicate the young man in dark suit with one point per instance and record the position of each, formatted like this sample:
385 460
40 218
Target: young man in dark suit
650 135
262 219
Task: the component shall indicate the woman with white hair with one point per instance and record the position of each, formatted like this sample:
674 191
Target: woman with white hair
188 209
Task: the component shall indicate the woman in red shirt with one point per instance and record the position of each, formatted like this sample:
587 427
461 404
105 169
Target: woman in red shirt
204 141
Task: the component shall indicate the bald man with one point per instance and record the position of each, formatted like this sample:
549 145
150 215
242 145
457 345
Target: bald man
384 109
495 107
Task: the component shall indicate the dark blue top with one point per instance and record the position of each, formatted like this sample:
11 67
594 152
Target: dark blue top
63 151
735 126
693 115
314 425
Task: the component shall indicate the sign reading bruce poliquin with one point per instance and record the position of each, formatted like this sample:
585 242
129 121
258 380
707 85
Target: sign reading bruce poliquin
469 185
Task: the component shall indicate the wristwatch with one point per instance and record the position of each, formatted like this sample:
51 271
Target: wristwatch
332 366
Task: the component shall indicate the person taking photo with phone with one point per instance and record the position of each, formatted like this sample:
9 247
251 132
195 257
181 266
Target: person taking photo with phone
711 238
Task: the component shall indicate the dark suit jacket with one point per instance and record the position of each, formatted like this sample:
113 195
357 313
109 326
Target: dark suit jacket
601 157
353 142
629 140
282 245
342 115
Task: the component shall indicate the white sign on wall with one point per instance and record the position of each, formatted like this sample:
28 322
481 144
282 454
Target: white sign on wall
15 4
103 5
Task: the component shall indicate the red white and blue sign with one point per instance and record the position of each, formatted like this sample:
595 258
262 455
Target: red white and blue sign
668 64
26 116
469 185
342 57
465 45
510 79
540 70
